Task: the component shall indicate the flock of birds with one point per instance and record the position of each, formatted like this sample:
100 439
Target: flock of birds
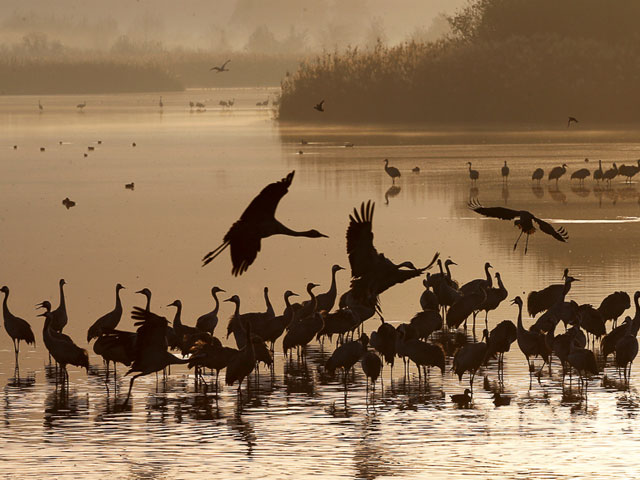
430 339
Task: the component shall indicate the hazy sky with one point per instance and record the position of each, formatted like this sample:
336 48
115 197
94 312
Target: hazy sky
207 23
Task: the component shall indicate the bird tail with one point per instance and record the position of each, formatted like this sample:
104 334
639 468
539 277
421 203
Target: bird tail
209 257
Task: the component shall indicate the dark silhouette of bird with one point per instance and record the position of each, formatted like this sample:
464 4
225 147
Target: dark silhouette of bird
274 329
326 301
597 175
391 192
160 104
108 321
473 174
626 350
581 174
505 172
130 186
470 358
426 322
532 344
116 346
40 107
584 361
538 173
308 307
463 400
211 354
339 323
371 366
629 171
495 296
415 169
151 353
347 355
524 222
68 203
17 328
591 320
539 301
62 348
478 283
302 332
81 106
58 316
499 342
372 273
465 306
209 321
557 172
186 335
319 106
614 305
571 120
383 340
221 68
428 299
608 343
257 319
393 172
257 222
423 354
501 400
610 174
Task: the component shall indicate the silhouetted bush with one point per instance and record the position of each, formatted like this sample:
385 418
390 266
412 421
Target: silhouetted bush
508 60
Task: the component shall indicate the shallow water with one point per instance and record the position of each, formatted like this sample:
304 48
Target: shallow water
194 173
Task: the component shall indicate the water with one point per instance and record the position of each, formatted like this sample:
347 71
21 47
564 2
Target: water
194 173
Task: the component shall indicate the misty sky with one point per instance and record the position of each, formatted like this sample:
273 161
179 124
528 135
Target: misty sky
214 24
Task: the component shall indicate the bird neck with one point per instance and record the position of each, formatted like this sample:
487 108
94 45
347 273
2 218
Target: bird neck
5 308
177 321
118 302
236 313
500 284
446 266
520 326
268 302
215 299
148 307
333 289
489 279
281 229
62 302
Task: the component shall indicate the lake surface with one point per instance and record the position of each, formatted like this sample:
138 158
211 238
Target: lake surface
194 173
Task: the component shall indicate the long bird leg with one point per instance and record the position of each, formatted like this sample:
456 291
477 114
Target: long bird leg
214 253
126 400
518 239
526 244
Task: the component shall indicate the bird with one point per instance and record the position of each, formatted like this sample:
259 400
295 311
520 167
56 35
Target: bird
346 356
557 172
108 321
466 305
211 354
531 343
209 321
584 361
42 149
470 358
130 186
538 173
241 365
371 366
495 296
415 169
501 400
539 301
67 202
326 301
221 68
614 305
571 120
319 106
91 148
393 172
40 107
499 342
626 350
462 399
478 283
372 273
423 354
473 174
81 106
426 322
116 346
581 174
17 328
608 343
597 175
273 329
428 299
505 172
151 353
629 171
58 316
302 332
160 104
183 332
62 348
524 222
591 321
383 340
610 174
257 222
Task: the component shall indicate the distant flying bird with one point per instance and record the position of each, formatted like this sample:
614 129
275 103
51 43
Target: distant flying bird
319 106
524 222
67 202
257 222
222 68
571 119
81 105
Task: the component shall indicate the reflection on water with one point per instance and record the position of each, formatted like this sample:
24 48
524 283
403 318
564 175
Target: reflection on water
193 176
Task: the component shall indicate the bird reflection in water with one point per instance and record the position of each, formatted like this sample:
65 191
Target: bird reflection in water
197 407
27 381
244 431
473 193
62 403
537 190
556 194
598 192
298 379
505 193
393 191
580 190
371 460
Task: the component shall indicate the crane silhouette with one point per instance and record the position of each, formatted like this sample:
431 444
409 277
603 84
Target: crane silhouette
532 344
597 175
209 321
473 174
539 301
626 351
478 283
371 366
17 328
221 68
241 365
393 172
62 348
151 353
557 172
59 315
524 222
326 301
319 106
614 305
537 174
470 358
581 174
81 106
108 321
257 222
610 174
383 340
372 273
505 172
346 356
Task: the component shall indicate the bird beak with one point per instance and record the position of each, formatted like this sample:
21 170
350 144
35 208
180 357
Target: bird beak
40 305
42 315
221 290
323 235
294 295
228 300
139 291
341 268
513 301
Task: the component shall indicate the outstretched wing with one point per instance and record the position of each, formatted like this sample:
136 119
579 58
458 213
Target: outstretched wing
495 212
225 64
265 204
151 332
360 247
559 234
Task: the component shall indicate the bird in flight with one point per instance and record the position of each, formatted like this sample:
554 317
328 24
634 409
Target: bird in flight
257 222
524 222
222 68
319 106
571 119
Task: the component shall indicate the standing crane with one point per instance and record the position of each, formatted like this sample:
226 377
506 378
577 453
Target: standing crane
108 321
17 328
209 321
393 172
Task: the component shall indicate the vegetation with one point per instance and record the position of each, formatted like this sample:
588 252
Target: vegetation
528 61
